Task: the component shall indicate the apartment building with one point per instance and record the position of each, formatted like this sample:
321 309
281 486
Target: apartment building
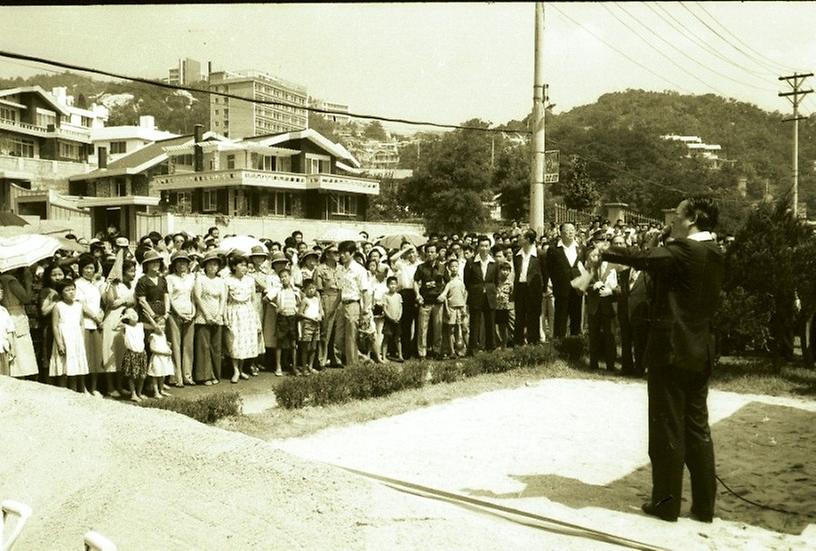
708 153
241 119
187 72
118 141
339 113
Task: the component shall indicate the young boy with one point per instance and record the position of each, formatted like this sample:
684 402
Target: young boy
392 314
504 302
311 314
454 296
287 303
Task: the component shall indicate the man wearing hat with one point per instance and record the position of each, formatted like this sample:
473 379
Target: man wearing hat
326 277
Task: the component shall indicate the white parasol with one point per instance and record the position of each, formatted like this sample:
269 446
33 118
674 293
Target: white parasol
243 243
24 250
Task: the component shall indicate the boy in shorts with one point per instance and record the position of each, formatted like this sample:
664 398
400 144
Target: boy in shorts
311 314
287 302
454 296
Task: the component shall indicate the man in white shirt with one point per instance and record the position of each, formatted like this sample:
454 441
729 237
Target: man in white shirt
528 290
562 267
354 297
406 266
481 280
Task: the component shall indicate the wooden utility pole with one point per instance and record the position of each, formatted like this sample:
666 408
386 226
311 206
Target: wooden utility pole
795 80
537 127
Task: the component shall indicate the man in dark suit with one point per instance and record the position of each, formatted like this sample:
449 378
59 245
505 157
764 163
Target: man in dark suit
528 289
633 319
481 281
686 276
562 267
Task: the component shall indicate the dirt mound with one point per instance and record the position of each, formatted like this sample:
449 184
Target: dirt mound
152 479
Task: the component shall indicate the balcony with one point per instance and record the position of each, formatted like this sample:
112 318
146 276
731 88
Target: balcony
260 178
43 132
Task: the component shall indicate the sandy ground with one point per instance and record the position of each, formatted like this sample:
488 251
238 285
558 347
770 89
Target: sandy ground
151 479
576 450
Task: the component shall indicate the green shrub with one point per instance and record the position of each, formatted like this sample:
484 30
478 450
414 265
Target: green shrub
329 387
293 392
414 374
447 372
205 409
572 348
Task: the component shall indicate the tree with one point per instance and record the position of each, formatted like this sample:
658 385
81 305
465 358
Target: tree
580 191
388 206
323 126
451 180
511 178
375 131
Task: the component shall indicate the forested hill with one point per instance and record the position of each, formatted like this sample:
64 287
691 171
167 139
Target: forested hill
175 111
758 140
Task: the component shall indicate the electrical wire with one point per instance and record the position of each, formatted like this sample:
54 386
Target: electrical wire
682 29
622 53
159 84
738 39
656 49
726 40
754 503
685 54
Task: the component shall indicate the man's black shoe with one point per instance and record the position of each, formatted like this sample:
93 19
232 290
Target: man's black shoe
702 517
651 510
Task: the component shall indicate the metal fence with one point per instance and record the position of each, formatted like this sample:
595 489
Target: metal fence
564 214
634 218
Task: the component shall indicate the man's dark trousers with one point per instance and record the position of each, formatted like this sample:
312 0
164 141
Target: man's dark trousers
528 315
408 322
679 434
568 304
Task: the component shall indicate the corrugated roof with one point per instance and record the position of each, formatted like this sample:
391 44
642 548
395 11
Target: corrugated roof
139 158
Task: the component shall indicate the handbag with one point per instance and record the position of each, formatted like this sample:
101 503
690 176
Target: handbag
581 283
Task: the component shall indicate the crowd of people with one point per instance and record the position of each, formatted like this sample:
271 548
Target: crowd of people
132 319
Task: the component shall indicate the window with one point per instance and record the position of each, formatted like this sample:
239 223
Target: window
184 201
186 160
16 147
209 200
118 147
343 205
269 163
312 166
69 150
280 203
230 162
121 187
8 113
46 118
283 164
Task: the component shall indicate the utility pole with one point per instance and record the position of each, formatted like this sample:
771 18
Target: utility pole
537 127
795 80
492 150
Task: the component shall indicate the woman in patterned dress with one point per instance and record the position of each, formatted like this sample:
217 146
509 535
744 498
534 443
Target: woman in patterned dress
18 289
117 297
46 301
242 317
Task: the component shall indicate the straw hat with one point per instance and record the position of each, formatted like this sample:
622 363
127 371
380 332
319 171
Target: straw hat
151 256
258 250
178 255
307 254
278 257
122 242
213 255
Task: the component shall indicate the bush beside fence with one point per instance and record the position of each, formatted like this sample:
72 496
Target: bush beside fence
205 409
372 381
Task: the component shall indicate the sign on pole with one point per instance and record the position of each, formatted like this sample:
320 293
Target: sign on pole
551 164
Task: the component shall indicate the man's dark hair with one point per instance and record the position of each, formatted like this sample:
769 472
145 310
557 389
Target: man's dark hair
390 279
209 231
529 235
308 282
155 237
429 245
482 238
703 211
347 247
297 232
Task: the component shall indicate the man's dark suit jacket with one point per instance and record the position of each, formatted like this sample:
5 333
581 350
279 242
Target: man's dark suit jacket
559 269
686 278
481 291
633 302
536 276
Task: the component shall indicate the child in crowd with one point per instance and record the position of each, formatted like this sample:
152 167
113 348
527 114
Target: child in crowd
161 359
392 314
134 358
454 297
504 304
68 358
379 288
7 337
311 314
287 302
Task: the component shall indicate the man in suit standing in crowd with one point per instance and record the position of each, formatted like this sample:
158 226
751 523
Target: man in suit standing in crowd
562 266
528 290
632 314
686 275
481 281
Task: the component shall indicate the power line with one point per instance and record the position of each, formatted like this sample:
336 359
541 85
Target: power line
622 53
738 39
686 55
91 70
680 27
726 40
668 57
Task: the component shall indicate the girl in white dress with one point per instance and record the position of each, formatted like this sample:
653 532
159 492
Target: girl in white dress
161 359
68 357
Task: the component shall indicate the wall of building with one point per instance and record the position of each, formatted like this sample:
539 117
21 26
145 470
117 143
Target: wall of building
273 228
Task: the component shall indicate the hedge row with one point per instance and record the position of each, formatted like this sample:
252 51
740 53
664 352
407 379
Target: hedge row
206 409
371 380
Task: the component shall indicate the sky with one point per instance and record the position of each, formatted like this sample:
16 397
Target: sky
440 62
